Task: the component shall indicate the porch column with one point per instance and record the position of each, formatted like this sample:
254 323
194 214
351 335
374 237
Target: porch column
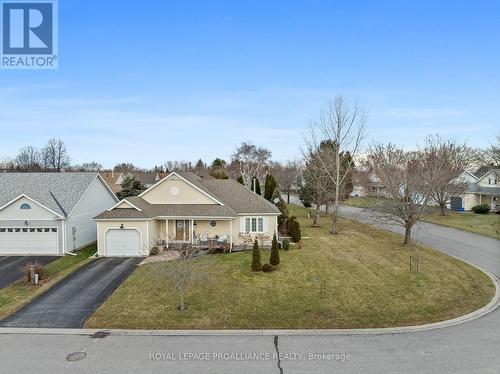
479 199
192 231
230 235
166 233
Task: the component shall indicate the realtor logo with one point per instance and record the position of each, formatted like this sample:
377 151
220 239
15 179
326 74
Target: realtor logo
29 35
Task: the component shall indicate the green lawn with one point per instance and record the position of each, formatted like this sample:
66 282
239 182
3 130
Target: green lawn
15 296
363 202
483 224
358 278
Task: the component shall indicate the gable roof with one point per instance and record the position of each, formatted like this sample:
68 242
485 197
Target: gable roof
147 177
59 192
189 178
235 200
484 170
111 178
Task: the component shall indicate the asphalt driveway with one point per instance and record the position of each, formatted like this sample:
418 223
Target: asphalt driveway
11 267
70 302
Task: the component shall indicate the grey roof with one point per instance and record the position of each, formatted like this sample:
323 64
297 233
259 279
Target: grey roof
476 188
59 192
483 170
236 198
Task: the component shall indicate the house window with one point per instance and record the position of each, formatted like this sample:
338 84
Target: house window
25 206
213 223
254 224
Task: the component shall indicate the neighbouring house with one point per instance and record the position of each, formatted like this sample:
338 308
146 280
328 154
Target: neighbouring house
367 184
50 213
184 208
147 179
482 187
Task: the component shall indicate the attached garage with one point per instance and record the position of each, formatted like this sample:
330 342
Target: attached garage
29 240
123 242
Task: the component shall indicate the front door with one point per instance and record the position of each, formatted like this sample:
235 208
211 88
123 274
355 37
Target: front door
182 230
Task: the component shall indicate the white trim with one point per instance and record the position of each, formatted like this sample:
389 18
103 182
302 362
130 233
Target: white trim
259 214
485 174
166 232
125 228
147 237
98 176
472 175
231 236
192 229
124 201
63 236
32 200
201 218
185 180
122 219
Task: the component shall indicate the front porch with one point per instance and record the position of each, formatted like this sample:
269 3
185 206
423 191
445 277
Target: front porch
208 233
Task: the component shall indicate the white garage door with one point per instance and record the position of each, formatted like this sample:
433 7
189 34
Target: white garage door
28 240
123 242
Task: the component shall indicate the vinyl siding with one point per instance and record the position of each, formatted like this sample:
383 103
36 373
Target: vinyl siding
96 199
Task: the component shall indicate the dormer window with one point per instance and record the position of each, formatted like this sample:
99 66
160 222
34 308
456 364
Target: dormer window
25 206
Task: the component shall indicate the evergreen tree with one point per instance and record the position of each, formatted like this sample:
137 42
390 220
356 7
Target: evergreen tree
269 187
296 233
240 180
256 265
256 186
281 205
130 187
275 252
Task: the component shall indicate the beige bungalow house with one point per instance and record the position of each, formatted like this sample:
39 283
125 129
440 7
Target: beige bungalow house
184 208
482 187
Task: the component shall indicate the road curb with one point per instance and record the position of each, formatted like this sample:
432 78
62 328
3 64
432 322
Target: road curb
490 307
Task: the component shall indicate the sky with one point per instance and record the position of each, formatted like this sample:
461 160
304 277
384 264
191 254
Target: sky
146 82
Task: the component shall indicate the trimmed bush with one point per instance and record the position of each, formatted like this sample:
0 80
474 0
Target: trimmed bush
267 268
274 259
256 265
296 233
481 209
286 245
154 251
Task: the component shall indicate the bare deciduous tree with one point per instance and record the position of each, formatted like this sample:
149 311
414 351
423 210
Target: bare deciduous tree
410 179
55 155
177 165
343 127
491 155
29 159
316 186
186 268
92 166
287 176
449 159
251 161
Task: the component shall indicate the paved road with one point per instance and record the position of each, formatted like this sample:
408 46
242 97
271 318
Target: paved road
468 348
11 267
70 302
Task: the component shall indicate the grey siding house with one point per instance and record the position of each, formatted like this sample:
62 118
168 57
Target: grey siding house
50 213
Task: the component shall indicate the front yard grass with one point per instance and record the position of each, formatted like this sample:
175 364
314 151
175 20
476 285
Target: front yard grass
483 224
15 296
358 278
